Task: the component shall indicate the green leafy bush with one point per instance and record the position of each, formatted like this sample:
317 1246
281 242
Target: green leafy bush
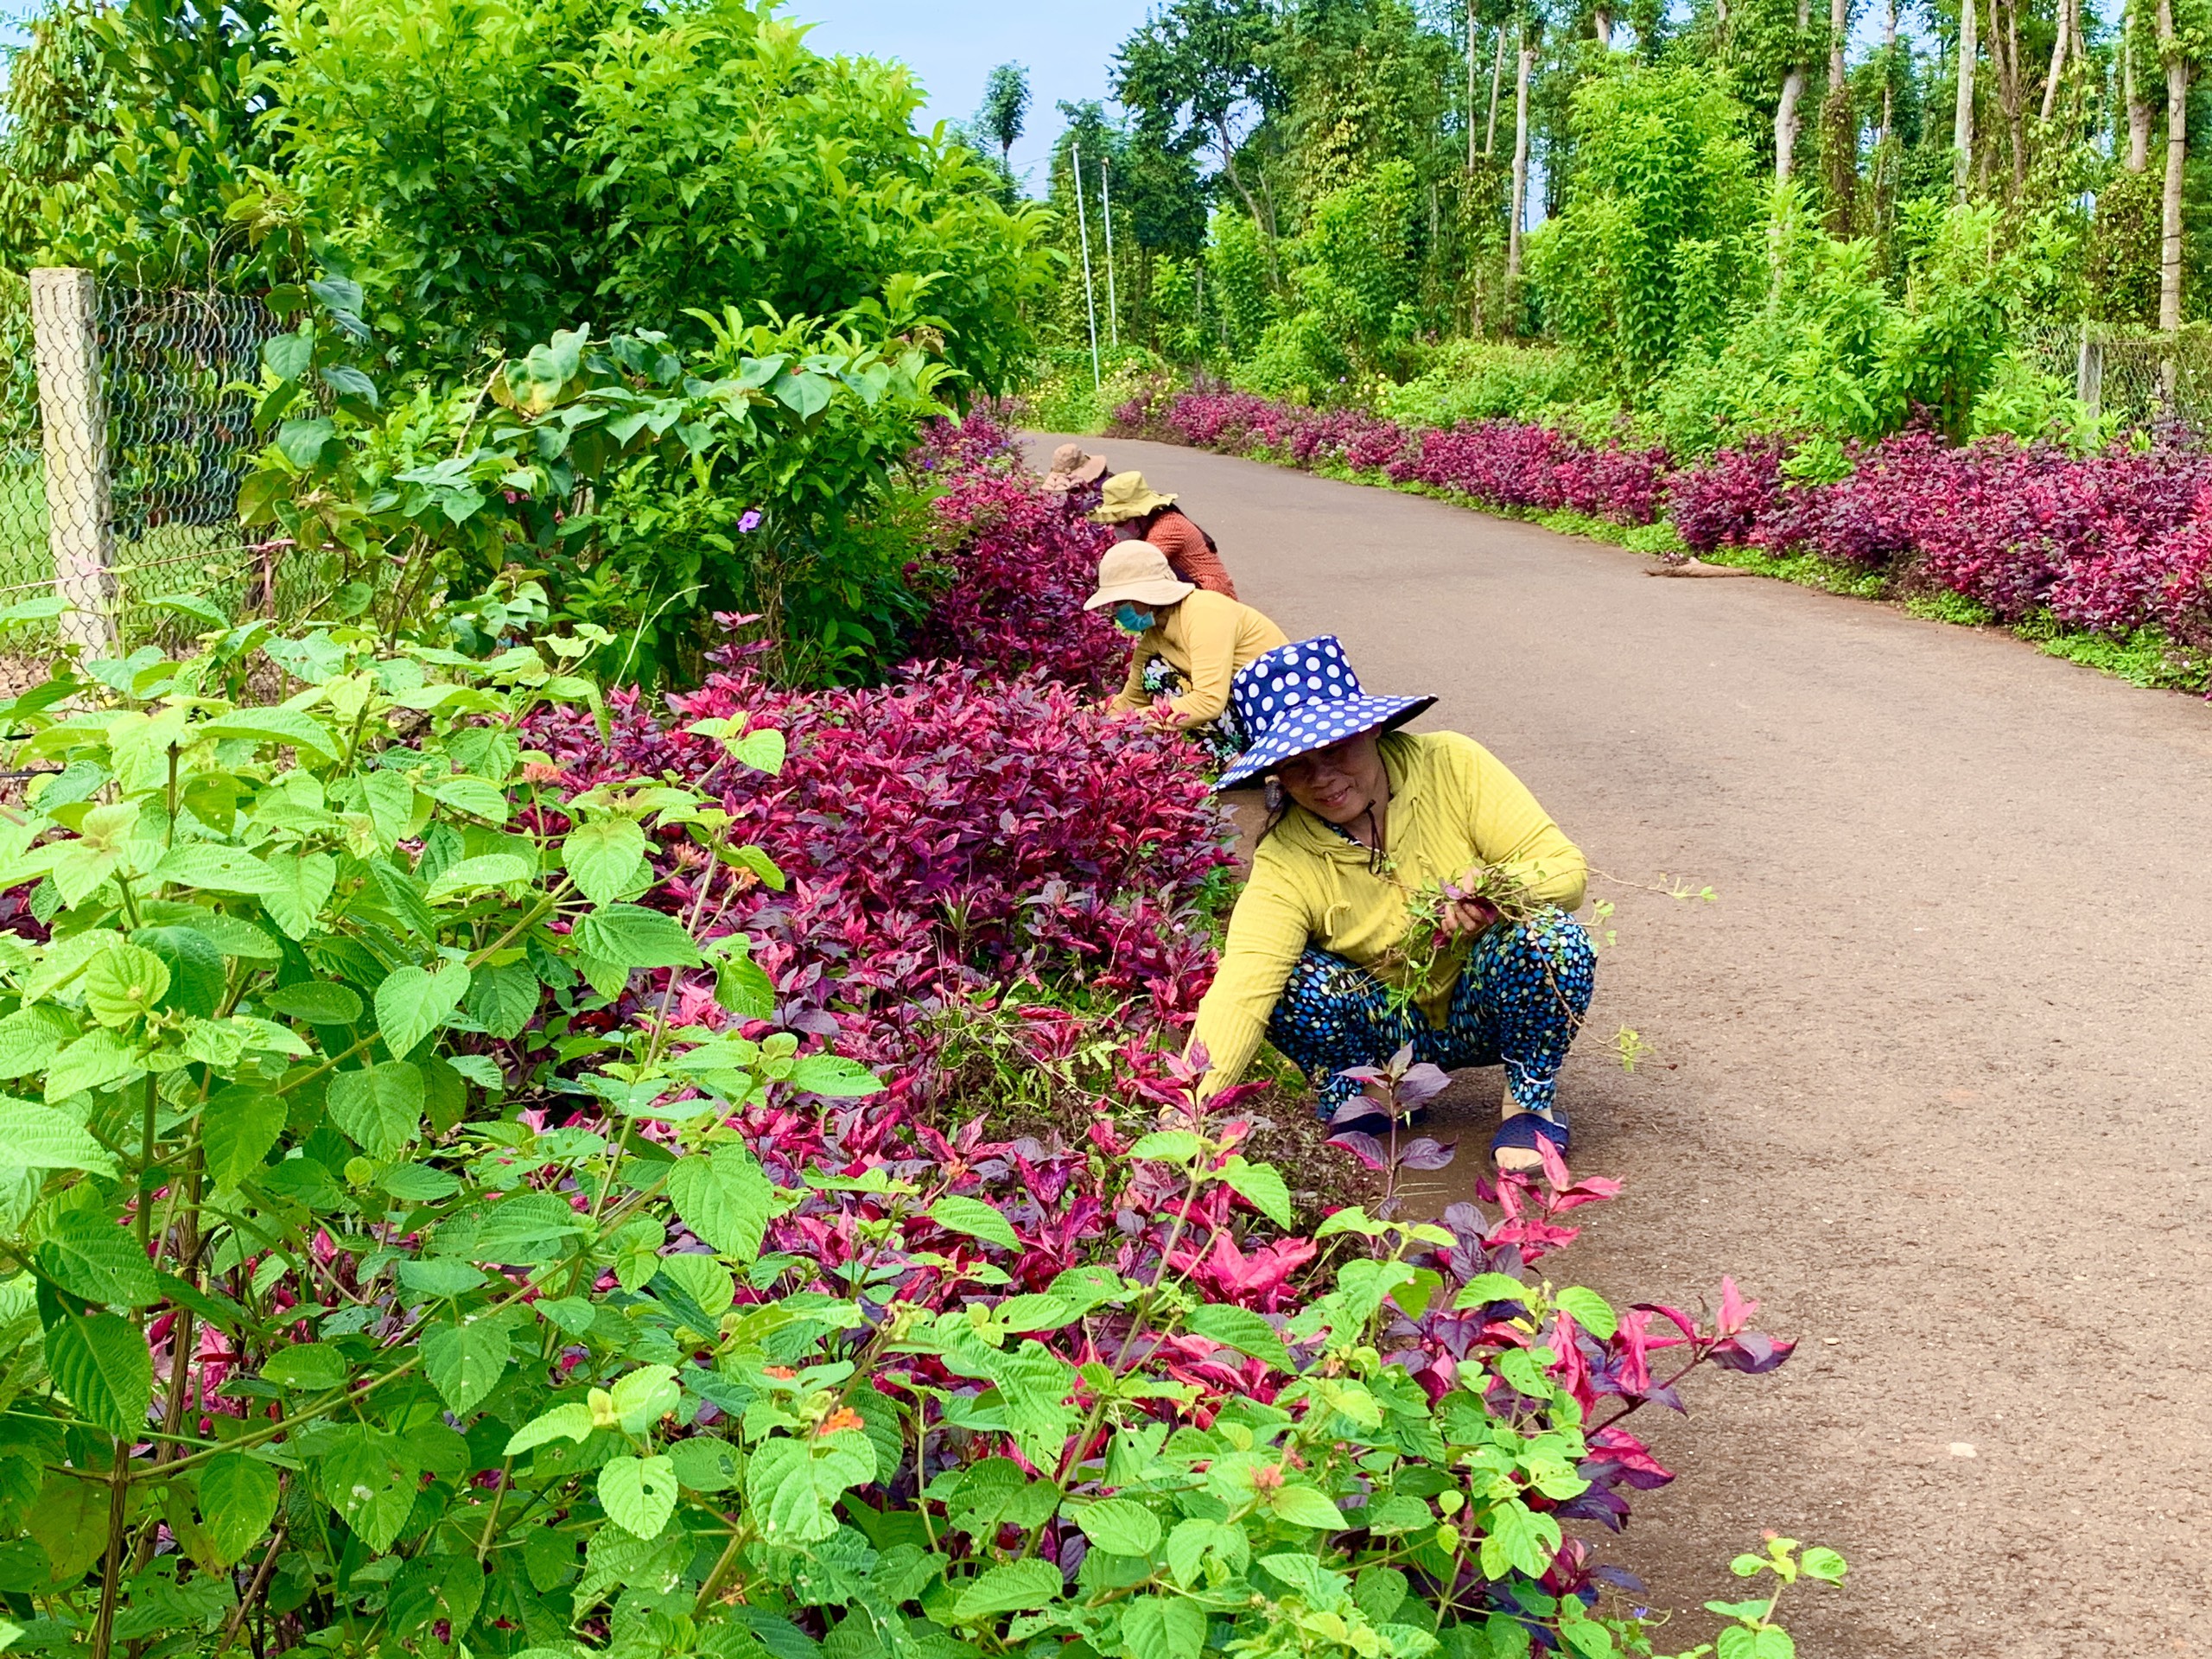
1486 380
644 485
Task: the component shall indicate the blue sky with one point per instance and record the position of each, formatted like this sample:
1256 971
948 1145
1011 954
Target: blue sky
952 45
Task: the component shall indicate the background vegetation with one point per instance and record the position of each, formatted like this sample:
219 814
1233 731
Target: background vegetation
1713 221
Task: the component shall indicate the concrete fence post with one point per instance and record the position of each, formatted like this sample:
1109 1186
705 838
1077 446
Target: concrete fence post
73 412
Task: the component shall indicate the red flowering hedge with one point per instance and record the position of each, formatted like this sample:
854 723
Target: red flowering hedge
2107 544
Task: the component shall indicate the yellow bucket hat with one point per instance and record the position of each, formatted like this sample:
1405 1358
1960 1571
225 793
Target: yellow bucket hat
1139 573
1128 496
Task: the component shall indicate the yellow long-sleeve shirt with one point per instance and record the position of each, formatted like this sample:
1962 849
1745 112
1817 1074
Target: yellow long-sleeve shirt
1208 637
1453 806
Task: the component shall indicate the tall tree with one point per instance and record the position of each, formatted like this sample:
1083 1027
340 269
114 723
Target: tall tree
1839 127
1962 111
1526 67
1005 109
2173 54
1788 123
1197 71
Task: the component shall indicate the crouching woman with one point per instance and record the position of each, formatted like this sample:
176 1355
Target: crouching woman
1409 889
1190 644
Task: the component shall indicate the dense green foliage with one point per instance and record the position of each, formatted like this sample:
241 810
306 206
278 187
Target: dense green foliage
1730 227
489 171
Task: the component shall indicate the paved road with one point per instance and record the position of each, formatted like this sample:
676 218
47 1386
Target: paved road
1929 1078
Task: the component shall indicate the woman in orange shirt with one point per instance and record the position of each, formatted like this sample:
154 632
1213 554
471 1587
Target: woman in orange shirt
1139 513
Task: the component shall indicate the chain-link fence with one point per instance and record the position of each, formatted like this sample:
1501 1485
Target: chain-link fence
125 424
2143 380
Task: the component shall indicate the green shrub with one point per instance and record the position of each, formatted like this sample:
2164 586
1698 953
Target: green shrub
1478 380
646 487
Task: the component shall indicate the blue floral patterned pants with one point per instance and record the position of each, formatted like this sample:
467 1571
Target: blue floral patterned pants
1518 1001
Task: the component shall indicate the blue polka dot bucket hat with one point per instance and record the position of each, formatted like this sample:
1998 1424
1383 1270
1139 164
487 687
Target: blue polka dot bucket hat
1302 697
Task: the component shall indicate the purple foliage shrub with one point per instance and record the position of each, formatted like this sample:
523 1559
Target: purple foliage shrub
940 834
1024 560
1512 464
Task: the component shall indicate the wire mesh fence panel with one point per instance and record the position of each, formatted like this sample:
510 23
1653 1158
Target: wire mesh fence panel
2141 382
126 424
179 370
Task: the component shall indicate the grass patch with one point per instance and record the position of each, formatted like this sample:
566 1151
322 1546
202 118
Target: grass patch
1805 570
1941 606
2146 657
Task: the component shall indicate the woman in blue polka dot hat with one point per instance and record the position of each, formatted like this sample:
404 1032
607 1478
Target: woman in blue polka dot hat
1408 889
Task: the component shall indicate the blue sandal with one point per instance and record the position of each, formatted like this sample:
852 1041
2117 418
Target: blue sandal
1524 1130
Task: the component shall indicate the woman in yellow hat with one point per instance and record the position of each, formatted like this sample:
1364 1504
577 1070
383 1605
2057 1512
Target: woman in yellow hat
1138 512
1190 643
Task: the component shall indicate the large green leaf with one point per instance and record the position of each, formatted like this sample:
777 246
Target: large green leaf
102 1363
793 1482
503 998
99 1059
38 1137
1163 1627
318 1001
288 726
638 1494
123 982
378 1108
302 888
976 1219
1520 1540
1241 1329
1118 1526
412 1002
833 1077
604 856
238 1127
465 1362
630 936
87 1255
238 1500
198 978
1009 1587
217 869
725 1198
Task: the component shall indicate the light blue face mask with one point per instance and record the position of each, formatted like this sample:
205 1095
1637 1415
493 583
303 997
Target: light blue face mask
1130 619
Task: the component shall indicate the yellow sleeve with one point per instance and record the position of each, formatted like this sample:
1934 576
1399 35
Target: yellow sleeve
1510 828
1131 699
1210 639
1267 933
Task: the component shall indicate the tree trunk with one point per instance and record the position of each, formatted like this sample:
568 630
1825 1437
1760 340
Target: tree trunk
2139 107
1962 113
2011 87
1787 122
2170 249
1496 80
1525 68
1889 72
1839 127
1259 220
2058 53
1601 21
1470 84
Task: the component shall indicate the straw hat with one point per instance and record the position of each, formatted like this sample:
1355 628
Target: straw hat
1128 496
1072 469
1301 697
1139 573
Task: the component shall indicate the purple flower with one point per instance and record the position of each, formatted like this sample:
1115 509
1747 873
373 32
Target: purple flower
750 522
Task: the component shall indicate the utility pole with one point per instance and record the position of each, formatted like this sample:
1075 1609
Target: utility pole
1083 227
1113 307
